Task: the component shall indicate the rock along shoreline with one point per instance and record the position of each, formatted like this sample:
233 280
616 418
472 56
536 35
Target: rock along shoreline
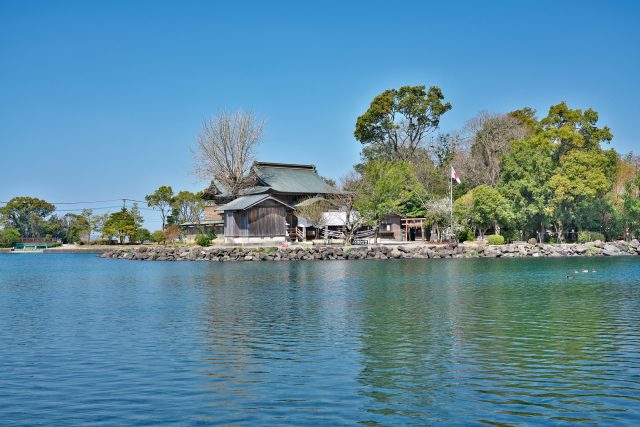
406 251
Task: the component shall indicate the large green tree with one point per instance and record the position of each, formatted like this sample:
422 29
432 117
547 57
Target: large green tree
525 173
162 199
78 227
187 207
121 225
579 182
574 129
489 209
27 215
526 116
398 121
559 174
141 235
385 188
631 208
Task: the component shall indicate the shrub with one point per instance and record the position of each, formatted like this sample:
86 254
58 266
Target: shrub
511 235
172 233
495 239
590 236
532 241
466 235
203 240
157 236
141 235
8 237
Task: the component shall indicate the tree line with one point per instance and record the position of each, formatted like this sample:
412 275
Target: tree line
522 176
32 217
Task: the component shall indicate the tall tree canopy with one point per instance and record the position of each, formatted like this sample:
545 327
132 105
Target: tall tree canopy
580 180
525 172
162 199
121 225
27 215
574 129
559 175
78 227
398 120
187 207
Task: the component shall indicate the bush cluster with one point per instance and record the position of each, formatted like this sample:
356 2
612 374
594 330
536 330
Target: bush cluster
466 235
9 236
203 240
158 236
511 235
590 236
495 239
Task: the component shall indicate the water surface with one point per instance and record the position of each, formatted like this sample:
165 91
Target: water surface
406 342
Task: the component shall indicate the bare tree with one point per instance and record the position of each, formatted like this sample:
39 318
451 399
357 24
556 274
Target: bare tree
487 138
345 201
314 212
225 149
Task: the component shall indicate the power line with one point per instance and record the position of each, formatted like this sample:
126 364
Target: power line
81 209
102 207
87 203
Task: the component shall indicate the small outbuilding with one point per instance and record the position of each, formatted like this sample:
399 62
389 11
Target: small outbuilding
255 219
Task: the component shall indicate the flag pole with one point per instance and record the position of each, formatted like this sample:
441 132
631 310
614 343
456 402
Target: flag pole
451 205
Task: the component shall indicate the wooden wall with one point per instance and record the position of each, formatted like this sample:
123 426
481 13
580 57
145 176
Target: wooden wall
264 220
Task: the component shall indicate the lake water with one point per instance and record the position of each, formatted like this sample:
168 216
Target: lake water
407 342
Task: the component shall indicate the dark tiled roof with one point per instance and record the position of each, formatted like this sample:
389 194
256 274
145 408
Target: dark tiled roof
291 178
276 178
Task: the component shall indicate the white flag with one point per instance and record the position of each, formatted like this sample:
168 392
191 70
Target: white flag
454 175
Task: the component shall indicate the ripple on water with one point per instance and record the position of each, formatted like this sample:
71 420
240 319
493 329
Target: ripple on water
414 342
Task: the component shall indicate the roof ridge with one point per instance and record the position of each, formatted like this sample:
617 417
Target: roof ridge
285 165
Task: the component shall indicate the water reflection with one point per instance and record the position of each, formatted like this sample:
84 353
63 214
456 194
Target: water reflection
410 342
505 345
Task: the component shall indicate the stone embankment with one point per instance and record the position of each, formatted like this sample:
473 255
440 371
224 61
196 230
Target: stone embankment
515 250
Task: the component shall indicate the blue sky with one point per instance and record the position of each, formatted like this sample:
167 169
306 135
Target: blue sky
102 100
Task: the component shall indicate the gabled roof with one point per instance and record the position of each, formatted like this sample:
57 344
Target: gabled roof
211 191
291 178
216 190
276 178
246 202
